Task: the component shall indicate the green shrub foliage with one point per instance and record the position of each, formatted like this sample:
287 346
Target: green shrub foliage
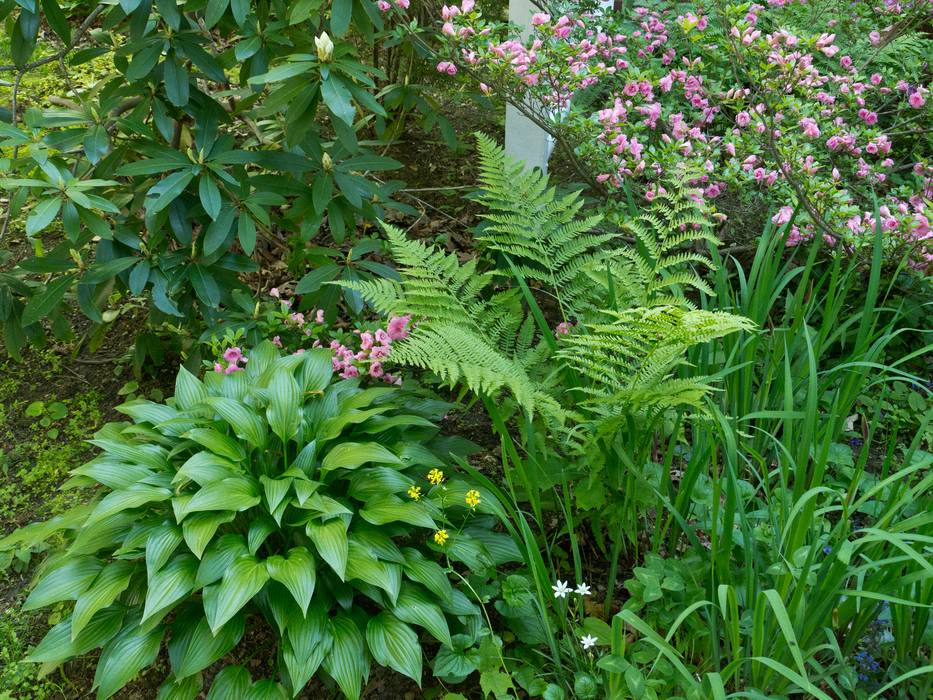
218 131
277 491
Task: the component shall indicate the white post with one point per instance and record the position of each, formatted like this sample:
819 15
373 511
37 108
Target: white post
525 140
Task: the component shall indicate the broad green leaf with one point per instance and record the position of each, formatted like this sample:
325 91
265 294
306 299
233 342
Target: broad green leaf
124 656
67 582
205 286
232 683
219 230
199 529
96 143
338 98
58 645
416 607
235 493
183 689
42 215
394 644
246 233
428 573
296 572
175 79
341 12
170 584
134 496
330 539
246 424
209 194
57 20
205 468
275 489
189 391
193 647
242 581
167 190
219 557
161 544
350 455
346 662
217 442
284 403
390 509
307 641
109 584
42 304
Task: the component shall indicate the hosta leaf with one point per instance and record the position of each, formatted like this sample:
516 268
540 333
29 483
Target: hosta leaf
58 645
198 529
124 656
350 455
235 493
394 644
246 424
189 391
162 542
132 496
275 489
219 557
218 443
184 689
307 641
67 582
346 662
284 403
193 647
170 585
296 572
259 529
389 508
109 584
241 582
330 539
428 573
415 606
205 468
232 683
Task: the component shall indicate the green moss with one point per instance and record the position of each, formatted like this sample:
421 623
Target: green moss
19 679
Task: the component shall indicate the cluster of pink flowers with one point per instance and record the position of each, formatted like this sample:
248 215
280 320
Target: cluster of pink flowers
374 348
232 358
815 120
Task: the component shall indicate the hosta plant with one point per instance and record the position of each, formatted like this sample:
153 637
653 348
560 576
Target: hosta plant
278 491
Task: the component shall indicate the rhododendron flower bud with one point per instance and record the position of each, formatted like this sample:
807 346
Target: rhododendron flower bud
448 29
383 6
325 47
447 67
402 4
274 292
743 119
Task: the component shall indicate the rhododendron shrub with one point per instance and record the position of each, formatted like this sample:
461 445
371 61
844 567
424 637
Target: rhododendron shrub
732 98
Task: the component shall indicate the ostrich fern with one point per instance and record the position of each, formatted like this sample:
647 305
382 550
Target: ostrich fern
543 233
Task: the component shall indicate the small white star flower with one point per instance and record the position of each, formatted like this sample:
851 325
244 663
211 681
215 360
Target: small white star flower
588 641
583 589
561 589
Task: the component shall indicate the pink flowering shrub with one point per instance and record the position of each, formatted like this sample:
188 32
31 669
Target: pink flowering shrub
733 98
357 352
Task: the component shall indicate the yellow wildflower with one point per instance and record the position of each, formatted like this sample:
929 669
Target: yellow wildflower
415 493
435 476
441 537
472 498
